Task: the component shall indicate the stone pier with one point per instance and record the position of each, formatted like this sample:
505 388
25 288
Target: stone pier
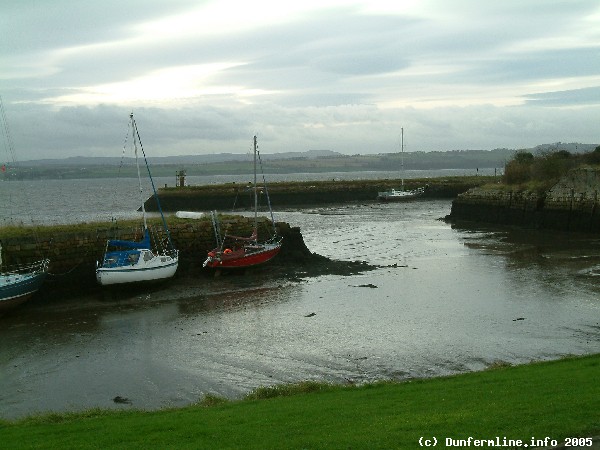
73 250
570 205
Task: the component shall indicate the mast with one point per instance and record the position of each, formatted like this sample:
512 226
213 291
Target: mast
137 163
255 193
402 153
162 216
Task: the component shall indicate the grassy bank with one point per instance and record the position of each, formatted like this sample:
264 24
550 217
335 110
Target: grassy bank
557 399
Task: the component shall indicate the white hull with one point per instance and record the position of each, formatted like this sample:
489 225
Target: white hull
134 261
190 215
395 195
400 195
159 268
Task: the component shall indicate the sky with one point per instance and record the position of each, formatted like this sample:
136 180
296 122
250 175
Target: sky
204 76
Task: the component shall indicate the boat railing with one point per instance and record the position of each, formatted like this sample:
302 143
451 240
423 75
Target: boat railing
19 269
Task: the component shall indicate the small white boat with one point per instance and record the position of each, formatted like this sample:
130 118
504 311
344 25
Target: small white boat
399 195
394 195
137 261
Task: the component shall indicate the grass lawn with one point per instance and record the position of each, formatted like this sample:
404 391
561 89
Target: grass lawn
557 399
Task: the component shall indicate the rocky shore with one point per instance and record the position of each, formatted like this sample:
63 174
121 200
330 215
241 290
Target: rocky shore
570 205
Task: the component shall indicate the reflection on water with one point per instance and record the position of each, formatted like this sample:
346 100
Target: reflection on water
443 300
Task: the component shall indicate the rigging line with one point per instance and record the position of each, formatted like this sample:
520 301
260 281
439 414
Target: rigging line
158 241
11 149
255 188
216 228
11 157
135 130
121 164
124 146
7 134
267 192
62 274
137 165
235 200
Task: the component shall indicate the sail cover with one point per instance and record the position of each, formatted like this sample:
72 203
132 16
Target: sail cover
144 243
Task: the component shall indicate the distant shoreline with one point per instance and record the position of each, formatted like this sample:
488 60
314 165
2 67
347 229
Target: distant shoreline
271 164
312 161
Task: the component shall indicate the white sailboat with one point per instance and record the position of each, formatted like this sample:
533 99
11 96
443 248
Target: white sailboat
136 261
395 195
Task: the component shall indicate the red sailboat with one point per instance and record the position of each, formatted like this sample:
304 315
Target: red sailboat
236 252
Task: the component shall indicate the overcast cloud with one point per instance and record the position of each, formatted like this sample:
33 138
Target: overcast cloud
203 76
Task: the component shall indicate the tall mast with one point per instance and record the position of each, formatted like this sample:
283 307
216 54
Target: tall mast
137 163
255 193
402 153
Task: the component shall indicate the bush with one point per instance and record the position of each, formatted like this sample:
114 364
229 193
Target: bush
593 157
523 157
551 166
518 170
517 173
545 169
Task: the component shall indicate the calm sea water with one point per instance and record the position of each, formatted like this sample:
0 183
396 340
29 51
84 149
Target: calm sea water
442 300
72 201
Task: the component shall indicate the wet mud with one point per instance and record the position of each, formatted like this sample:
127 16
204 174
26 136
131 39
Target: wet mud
421 299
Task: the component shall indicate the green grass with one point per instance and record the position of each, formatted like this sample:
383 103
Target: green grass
557 399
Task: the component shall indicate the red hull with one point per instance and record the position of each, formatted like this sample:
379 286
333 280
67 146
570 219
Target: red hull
240 260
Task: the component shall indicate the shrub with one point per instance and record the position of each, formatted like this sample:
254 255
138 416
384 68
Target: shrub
551 166
518 170
593 157
523 157
545 169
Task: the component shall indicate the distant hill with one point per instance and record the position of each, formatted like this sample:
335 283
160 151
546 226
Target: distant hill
83 161
313 161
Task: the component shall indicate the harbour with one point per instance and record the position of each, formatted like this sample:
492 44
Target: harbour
438 300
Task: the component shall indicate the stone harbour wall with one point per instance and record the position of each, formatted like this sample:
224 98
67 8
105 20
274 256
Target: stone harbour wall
74 250
302 194
576 191
570 205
